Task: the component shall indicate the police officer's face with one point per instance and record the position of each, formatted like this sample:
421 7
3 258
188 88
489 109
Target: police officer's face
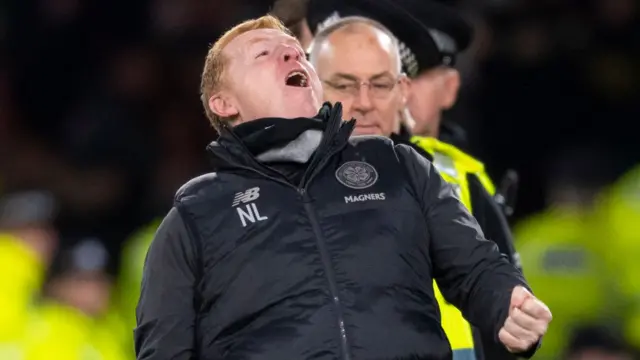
268 76
432 92
359 66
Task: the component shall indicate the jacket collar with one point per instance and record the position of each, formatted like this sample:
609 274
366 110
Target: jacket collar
229 151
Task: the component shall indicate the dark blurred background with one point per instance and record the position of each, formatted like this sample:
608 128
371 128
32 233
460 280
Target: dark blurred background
99 106
99 100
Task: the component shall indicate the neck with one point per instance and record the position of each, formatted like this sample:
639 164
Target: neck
431 131
430 128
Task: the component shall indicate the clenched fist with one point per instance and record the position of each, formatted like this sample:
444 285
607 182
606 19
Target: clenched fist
527 321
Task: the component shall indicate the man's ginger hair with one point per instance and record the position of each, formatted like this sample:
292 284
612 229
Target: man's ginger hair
215 63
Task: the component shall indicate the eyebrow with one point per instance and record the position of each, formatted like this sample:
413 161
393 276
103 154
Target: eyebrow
343 76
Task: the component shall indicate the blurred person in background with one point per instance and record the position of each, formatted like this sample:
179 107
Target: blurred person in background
618 213
72 320
564 253
374 92
78 278
597 343
205 291
28 241
66 320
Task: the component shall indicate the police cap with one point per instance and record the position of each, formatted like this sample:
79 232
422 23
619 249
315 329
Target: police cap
429 33
32 208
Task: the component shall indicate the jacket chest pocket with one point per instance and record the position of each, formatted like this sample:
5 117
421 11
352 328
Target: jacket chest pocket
382 244
392 221
261 252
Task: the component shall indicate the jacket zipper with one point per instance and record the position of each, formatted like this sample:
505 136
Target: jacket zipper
331 277
320 241
324 253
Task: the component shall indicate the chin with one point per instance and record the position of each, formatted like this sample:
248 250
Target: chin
302 98
302 108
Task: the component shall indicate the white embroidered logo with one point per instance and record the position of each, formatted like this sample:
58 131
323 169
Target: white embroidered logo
357 175
364 197
250 212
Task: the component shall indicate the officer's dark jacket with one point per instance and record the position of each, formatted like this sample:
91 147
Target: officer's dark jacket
339 265
486 210
495 227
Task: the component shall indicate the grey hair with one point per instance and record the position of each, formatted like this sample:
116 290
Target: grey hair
323 35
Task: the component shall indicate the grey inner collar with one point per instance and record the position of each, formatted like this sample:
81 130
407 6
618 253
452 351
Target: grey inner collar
299 150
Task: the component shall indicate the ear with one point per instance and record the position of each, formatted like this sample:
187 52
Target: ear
222 105
451 86
405 88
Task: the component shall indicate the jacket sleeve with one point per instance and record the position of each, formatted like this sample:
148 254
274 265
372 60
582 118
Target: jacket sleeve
492 220
469 270
166 310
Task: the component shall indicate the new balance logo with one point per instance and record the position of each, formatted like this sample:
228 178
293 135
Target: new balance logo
246 196
249 213
364 197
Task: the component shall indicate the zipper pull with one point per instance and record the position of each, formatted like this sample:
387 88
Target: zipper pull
303 195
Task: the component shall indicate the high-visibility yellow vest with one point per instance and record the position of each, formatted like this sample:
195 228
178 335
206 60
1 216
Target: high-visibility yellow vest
618 234
21 275
560 249
454 165
58 332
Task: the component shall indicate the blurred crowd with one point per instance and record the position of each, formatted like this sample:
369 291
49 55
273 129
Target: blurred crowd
100 123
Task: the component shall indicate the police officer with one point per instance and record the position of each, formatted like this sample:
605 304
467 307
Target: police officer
617 212
437 38
576 245
74 308
28 241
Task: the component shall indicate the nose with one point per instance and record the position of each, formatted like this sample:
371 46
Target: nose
290 54
362 101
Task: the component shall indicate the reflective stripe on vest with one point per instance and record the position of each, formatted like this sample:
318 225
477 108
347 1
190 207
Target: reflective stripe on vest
462 163
464 354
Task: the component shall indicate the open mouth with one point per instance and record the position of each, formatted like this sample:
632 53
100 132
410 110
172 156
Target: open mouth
297 78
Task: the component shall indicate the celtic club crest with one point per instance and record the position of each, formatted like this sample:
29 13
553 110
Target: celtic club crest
357 175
